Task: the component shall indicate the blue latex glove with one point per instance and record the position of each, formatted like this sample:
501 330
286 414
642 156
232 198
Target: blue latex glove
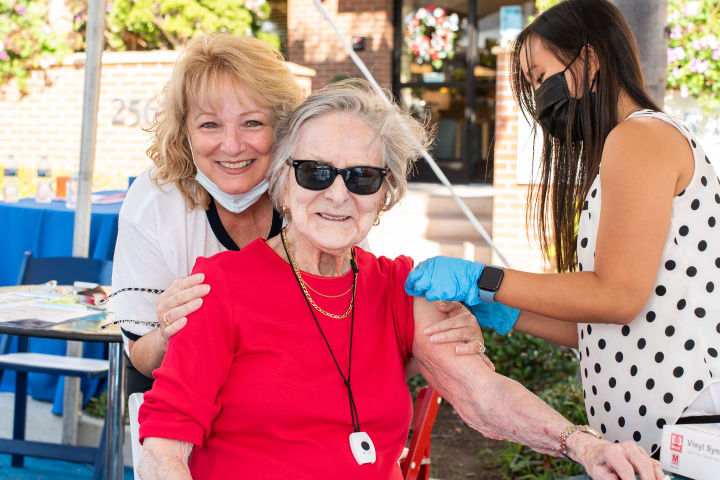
445 278
497 316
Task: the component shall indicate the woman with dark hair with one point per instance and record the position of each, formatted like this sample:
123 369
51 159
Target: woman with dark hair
629 201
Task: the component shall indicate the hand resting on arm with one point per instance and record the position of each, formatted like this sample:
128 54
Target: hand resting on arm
182 298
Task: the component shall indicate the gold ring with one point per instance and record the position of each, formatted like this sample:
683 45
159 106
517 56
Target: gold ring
164 318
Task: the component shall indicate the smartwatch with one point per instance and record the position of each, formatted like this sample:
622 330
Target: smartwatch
489 283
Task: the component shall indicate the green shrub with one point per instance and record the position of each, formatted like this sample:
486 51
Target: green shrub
550 372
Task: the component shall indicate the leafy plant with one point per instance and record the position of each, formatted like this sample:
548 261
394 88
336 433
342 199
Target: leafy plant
27 42
549 371
169 24
694 50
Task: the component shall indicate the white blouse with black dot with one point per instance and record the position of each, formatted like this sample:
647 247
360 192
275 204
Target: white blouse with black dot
638 377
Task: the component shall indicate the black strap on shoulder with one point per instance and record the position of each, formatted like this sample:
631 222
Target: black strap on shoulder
130 335
224 237
218 229
276 226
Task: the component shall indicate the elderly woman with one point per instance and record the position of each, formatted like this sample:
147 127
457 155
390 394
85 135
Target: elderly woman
207 191
294 367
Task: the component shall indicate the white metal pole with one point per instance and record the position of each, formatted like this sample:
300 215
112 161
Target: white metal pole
94 45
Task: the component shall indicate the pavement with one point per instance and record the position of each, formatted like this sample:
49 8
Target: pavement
41 425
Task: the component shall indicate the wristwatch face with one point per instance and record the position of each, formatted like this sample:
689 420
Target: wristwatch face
490 279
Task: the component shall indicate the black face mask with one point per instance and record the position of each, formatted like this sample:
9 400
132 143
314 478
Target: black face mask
554 103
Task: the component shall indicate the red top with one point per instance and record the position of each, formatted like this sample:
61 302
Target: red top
250 382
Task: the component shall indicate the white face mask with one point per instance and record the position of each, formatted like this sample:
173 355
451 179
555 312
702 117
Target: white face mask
233 203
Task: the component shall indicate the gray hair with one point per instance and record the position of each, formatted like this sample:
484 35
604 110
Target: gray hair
403 137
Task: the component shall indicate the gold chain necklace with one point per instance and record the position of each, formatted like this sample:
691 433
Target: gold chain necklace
328 296
304 287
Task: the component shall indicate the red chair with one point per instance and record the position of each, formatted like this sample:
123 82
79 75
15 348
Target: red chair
416 465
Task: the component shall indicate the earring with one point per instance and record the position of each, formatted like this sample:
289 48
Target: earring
377 220
285 209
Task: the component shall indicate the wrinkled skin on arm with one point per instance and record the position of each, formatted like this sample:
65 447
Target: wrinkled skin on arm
501 408
165 459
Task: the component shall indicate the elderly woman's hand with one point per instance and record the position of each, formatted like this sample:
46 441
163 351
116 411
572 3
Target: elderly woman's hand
461 328
604 460
177 302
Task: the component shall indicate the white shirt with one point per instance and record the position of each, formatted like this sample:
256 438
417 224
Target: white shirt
639 377
159 240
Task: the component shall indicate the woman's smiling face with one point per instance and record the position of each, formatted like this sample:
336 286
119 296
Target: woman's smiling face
335 219
231 139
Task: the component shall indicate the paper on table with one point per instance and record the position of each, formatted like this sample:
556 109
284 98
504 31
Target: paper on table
31 310
14 297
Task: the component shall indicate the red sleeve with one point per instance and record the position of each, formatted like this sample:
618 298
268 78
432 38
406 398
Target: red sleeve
402 305
183 401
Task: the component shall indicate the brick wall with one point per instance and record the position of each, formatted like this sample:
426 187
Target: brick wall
47 120
509 230
312 42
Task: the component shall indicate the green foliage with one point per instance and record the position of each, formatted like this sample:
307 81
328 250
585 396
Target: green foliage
27 42
97 406
161 24
534 362
545 4
549 371
694 50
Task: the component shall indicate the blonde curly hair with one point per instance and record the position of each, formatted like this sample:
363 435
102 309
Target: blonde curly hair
251 64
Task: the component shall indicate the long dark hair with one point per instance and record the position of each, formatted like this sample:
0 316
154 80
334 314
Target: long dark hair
568 168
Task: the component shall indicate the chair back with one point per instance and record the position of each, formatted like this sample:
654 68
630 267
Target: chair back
65 270
417 463
136 399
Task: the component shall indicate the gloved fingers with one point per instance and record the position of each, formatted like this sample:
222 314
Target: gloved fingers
418 280
451 308
443 291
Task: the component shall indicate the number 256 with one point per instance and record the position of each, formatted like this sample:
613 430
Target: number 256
130 113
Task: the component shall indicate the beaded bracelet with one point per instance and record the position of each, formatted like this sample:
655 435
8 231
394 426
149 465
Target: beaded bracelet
567 431
155 291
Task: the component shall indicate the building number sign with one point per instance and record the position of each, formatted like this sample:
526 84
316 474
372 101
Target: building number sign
134 111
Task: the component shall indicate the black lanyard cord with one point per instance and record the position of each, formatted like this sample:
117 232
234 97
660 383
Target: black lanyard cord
355 419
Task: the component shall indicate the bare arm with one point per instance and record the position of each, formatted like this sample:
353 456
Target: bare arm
645 163
165 459
499 407
550 329
148 351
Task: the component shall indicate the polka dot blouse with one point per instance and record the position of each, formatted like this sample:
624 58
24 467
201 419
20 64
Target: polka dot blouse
638 377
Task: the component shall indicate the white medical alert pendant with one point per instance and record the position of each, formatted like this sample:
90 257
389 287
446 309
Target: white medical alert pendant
362 447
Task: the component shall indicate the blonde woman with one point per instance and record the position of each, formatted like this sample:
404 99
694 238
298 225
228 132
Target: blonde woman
206 192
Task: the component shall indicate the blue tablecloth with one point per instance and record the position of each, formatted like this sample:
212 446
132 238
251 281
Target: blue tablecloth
46 230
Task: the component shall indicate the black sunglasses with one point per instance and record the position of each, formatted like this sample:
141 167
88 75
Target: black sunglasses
315 175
